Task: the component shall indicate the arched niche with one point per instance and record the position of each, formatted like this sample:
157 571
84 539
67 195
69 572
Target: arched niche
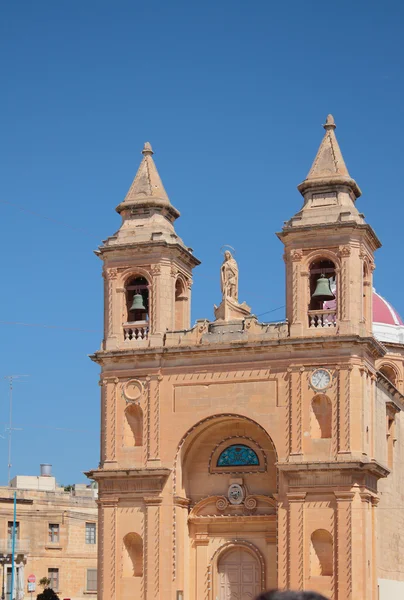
181 304
133 426
132 555
390 373
321 554
321 417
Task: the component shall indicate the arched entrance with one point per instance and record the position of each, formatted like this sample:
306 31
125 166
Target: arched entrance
238 575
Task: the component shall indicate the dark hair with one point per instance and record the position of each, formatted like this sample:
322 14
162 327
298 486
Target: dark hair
278 595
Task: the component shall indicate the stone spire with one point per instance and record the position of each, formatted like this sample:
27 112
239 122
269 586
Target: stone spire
147 189
329 166
329 191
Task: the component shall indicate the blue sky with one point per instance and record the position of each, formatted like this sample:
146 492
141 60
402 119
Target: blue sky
232 96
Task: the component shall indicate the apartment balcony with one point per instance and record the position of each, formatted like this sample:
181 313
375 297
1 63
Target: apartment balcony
21 546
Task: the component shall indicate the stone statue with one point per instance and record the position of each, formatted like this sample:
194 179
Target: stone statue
230 309
229 277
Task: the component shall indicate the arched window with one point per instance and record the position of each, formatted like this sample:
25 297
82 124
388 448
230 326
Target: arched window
389 373
323 294
321 554
238 455
132 563
137 299
133 426
321 417
180 305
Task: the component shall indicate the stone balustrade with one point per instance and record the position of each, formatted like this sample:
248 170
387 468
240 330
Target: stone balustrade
136 331
322 318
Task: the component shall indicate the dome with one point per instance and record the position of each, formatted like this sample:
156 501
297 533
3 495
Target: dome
388 326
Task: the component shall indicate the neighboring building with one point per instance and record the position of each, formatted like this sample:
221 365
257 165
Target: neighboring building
56 536
238 455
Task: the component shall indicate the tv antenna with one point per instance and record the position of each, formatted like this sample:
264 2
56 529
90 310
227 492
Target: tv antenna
10 427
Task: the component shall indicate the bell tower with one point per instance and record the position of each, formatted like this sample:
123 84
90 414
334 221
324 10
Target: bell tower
329 251
147 267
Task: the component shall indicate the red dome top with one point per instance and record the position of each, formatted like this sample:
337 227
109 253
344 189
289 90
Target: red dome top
383 312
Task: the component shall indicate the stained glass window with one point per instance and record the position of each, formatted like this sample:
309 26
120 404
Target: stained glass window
237 455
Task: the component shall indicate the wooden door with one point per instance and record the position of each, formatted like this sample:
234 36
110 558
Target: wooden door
238 576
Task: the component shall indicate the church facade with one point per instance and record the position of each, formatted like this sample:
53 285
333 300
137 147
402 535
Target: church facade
238 456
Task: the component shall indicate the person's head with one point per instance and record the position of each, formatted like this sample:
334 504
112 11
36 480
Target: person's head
287 595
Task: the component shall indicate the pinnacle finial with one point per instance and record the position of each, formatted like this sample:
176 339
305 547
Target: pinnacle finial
147 149
329 123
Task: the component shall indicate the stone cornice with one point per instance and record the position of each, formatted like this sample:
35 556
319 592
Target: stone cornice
146 248
282 344
355 466
338 226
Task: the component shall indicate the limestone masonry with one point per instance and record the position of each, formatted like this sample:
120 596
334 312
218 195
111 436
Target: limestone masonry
236 455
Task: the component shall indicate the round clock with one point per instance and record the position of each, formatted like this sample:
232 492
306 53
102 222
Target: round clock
320 379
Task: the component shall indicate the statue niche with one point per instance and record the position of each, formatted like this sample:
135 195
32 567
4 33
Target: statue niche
230 309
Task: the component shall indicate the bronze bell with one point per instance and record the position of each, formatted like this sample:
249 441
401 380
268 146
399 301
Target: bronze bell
323 291
137 303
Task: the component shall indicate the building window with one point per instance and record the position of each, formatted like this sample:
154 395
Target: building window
53 575
91 580
91 533
236 456
53 532
10 530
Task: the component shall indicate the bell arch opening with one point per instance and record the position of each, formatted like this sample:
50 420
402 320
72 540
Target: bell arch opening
132 559
322 293
136 310
137 299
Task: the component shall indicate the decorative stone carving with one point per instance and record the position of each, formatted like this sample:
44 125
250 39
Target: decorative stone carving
235 494
344 251
296 255
156 269
250 503
133 390
111 273
222 503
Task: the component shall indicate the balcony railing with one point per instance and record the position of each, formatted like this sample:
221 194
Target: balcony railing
322 318
138 330
21 546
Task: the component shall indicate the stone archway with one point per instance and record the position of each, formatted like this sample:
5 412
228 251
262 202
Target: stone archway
238 575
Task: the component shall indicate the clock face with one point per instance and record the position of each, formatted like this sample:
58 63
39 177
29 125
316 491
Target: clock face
320 379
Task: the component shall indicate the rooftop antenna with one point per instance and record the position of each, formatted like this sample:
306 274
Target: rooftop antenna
10 427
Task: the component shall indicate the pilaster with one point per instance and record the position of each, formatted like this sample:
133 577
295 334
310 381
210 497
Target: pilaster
107 546
343 545
152 547
296 540
201 544
108 422
153 420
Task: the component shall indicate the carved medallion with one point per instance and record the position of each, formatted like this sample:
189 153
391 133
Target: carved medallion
235 494
133 390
